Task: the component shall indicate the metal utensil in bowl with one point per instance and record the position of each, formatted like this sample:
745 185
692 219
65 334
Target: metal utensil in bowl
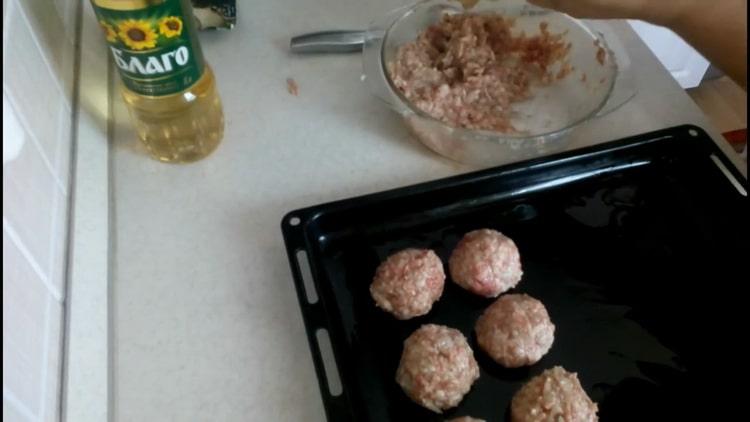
328 42
545 120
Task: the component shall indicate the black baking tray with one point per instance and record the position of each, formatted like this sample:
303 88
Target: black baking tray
636 247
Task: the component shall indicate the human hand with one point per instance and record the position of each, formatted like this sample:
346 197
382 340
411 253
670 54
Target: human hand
656 11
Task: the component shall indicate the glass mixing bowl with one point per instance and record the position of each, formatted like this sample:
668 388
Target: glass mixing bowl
543 122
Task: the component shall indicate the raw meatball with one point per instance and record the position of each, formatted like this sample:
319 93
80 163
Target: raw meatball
466 419
408 283
555 395
486 262
515 330
437 367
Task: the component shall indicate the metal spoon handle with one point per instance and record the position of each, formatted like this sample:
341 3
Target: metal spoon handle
328 42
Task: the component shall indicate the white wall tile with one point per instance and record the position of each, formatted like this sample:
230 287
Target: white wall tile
30 84
28 194
53 362
64 143
11 414
38 60
13 134
67 10
53 32
58 243
24 313
6 30
5 10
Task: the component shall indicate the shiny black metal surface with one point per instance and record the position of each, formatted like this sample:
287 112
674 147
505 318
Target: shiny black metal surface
637 249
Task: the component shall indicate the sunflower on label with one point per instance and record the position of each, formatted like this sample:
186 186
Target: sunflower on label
137 34
171 26
109 32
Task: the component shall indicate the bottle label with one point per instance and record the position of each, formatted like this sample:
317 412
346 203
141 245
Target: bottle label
154 47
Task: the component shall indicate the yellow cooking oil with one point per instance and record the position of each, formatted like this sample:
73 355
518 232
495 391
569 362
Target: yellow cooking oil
169 89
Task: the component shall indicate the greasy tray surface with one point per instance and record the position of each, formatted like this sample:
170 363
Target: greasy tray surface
633 247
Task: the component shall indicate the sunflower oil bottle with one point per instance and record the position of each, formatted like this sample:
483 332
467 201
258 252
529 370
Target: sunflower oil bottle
168 88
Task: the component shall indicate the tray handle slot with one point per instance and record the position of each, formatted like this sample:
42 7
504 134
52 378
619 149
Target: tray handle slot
333 381
733 180
311 293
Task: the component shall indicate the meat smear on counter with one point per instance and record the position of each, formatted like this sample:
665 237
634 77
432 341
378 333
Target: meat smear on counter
292 87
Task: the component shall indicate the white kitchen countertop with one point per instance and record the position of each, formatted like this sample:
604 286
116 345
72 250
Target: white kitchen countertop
206 325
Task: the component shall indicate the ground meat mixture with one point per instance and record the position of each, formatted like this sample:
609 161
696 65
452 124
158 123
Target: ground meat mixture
408 283
601 53
468 69
515 330
554 395
437 367
486 262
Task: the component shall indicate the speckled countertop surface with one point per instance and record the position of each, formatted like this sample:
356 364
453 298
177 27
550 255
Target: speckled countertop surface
206 325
